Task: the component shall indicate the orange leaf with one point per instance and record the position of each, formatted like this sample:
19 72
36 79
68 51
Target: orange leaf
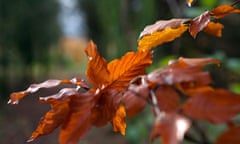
119 122
118 72
52 119
214 29
97 71
123 70
199 23
160 32
231 136
215 106
171 127
223 10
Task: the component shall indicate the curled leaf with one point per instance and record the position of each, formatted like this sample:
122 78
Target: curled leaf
214 29
135 98
119 122
199 23
53 118
223 10
17 96
160 32
78 121
183 70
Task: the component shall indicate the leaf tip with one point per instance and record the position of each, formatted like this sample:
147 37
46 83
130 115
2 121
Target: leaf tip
30 139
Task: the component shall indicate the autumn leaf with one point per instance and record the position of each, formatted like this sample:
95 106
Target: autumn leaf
199 23
78 121
168 99
183 70
223 10
117 73
171 127
214 29
119 120
17 96
53 118
135 98
116 76
97 71
216 106
123 70
230 136
107 101
70 110
160 32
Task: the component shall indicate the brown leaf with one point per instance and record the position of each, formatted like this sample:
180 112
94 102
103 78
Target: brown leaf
160 32
223 10
69 109
171 127
183 70
97 71
168 99
107 101
78 121
231 136
136 96
215 106
214 29
199 23
17 96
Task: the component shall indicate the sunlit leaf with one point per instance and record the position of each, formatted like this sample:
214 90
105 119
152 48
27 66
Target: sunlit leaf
215 106
214 29
97 71
53 118
171 128
223 10
160 32
199 23
119 120
123 70
231 136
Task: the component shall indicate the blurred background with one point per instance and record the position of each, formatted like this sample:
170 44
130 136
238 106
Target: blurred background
46 39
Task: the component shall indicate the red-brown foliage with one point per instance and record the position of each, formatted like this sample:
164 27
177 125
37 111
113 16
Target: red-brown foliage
121 89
